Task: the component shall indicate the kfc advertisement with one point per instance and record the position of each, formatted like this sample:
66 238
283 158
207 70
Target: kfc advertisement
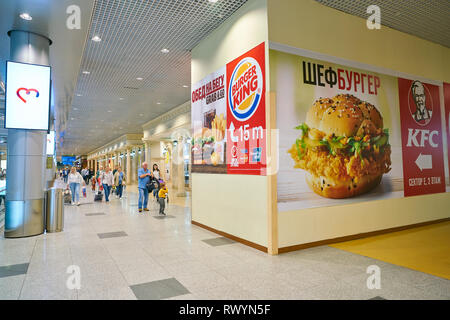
422 143
343 134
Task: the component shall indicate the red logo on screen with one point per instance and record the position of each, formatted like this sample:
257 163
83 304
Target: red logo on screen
27 91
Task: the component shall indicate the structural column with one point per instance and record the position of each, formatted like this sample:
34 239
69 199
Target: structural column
26 149
146 153
180 168
134 165
129 177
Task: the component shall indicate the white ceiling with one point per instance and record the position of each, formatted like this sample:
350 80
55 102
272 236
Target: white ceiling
112 101
426 19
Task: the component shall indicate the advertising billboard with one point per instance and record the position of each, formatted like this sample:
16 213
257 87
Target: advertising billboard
51 143
68 160
246 113
422 141
27 96
349 135
229 117
209 120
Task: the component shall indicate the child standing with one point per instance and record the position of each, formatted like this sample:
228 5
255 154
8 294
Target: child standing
162 197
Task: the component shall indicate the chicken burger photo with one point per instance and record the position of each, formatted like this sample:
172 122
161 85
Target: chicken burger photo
342 146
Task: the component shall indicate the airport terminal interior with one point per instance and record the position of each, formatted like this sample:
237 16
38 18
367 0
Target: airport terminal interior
224 150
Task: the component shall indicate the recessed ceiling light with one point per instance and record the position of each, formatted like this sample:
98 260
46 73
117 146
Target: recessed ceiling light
75 109
140 79
79 95
26 16
185 86
120 98
158 103
96 39
109 111
213 1
220 16
86 72
165 50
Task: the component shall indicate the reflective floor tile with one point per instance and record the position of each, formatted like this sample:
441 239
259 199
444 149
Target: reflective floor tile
163 217
13 270
112 234
215 242
157 290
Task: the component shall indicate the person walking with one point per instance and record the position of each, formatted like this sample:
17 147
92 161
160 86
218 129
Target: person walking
66 173
98 177
75 180
107 182
144 177
157 177
162 194
119 179
84 174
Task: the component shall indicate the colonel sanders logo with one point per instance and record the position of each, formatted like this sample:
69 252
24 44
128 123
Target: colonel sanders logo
422 108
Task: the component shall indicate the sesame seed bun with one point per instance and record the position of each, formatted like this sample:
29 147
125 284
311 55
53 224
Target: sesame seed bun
341 189
315 113
343 115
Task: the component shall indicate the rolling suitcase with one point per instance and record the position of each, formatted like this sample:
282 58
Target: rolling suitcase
98 196
67 198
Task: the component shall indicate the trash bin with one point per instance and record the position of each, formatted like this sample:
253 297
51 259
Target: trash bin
54 215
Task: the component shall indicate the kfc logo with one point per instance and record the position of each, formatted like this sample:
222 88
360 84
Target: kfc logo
422 107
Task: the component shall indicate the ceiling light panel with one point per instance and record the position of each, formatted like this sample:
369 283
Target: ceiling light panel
133 33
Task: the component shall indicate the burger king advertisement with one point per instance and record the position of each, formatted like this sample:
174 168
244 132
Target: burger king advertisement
208 118
349 135
246 113
229 118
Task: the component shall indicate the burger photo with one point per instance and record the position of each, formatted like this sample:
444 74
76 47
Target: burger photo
342 146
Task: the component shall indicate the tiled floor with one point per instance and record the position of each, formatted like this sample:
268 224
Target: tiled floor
121 254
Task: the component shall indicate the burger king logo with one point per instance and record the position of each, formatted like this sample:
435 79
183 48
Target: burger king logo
245 89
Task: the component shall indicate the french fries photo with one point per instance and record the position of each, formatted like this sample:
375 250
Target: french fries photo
218 127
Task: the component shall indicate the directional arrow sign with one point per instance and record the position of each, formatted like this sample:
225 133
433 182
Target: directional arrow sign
424 161
232 136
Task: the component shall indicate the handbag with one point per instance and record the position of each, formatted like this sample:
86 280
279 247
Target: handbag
150 186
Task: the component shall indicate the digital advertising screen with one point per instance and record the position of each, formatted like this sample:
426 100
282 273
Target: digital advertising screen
51 143
27 96
68 160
